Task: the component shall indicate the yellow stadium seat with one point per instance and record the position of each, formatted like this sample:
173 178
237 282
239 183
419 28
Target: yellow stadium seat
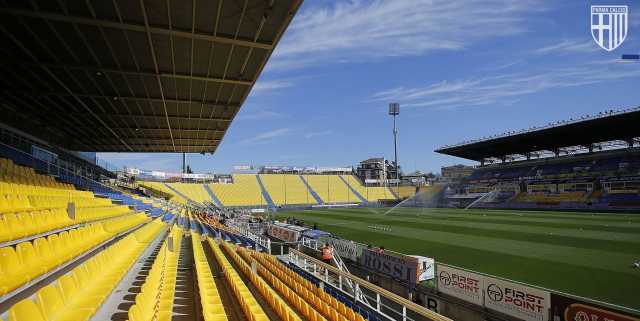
25 310
53 307
134 314
12 274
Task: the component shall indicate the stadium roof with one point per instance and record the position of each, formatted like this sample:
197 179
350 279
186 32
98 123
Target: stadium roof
608 126
133 76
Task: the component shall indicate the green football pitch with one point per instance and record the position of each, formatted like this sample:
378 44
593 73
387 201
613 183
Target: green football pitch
586 254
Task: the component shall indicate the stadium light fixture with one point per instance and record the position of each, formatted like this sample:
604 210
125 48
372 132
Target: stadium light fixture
394 110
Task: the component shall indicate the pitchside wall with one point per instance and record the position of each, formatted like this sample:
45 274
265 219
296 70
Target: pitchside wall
462 294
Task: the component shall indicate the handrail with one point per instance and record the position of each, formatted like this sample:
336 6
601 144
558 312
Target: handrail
262 241
49 165
59 230
10 298
340 263
406 304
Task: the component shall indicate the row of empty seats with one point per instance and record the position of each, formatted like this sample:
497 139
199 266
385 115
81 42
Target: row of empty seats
47 198
13 173
78 294
275 301
155 300
212 307
251 308
16 225
296 286
29 260
37 204
552 197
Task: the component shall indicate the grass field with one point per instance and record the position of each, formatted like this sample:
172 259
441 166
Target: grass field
587 254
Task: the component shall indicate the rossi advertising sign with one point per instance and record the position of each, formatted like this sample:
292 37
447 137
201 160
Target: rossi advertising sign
461 284
520 301
568 309
400 268
282 233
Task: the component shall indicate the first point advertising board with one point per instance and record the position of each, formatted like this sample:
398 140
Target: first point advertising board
461 284
517 300
514 299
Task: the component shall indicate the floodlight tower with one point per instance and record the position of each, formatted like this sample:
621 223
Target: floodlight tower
394 110
184 163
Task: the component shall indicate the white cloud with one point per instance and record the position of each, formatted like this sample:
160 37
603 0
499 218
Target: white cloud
265 136
569 47
356 30
258 115
262 86
318 134
503 89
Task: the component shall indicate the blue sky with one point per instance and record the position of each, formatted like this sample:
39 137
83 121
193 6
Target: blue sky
459 69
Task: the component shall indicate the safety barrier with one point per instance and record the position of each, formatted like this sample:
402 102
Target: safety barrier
385 303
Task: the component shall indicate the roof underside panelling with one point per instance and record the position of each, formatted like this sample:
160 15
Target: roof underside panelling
620 126
143 76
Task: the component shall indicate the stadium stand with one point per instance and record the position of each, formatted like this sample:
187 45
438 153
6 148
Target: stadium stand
71 274
244 191
30 259
155 300
287 189
74 244
32 204
210 300
194 192
247 301
583 178
370 193
405 191
284 190
162 187
331 189
78 294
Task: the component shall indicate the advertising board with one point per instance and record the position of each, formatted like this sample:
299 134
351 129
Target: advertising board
345 248
569 309
411 269
517 300
461 284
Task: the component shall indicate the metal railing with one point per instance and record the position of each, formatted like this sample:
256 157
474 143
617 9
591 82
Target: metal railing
313 244
265 242
74 177
385 303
